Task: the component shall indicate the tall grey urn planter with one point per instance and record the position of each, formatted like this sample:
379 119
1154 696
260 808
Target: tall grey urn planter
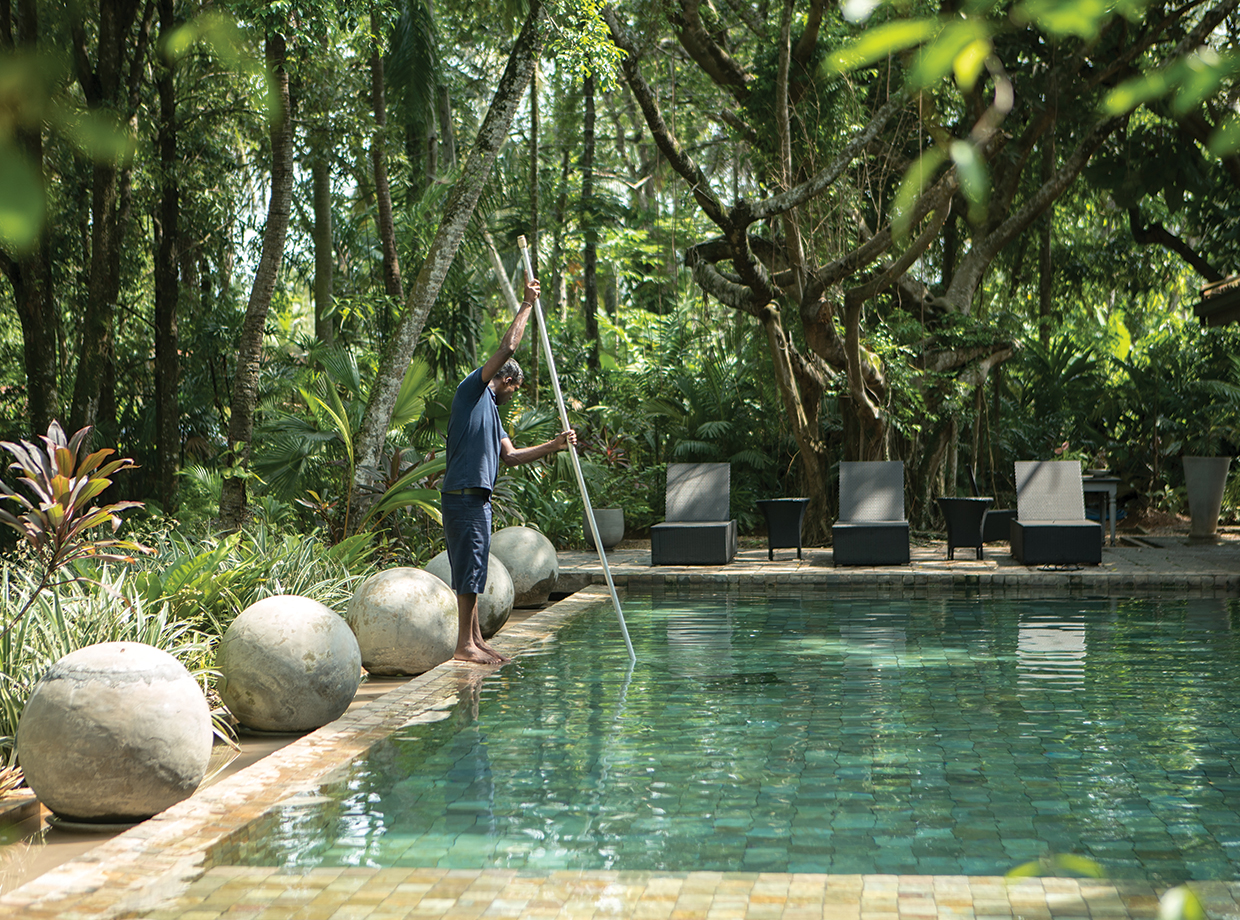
114 732
610 523
1205 478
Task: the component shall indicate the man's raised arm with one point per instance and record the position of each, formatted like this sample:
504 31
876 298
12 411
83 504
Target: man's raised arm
516 330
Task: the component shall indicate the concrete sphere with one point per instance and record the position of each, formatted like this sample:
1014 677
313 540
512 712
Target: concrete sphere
404 620
113 732
289 664
531 561
495 601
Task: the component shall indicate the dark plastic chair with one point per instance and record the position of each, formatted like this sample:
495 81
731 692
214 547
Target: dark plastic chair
964 517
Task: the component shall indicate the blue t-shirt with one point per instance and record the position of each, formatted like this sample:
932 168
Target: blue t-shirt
474 435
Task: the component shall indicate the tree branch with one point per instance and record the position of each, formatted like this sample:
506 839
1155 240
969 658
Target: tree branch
681 161
1156 234
715 62
827 176
969 272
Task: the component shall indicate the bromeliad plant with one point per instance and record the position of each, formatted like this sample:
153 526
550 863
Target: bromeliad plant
58 521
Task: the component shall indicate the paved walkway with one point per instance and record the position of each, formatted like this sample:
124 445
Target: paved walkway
1162 562
169 868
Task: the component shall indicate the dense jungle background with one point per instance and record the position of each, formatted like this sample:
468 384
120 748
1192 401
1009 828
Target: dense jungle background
255 246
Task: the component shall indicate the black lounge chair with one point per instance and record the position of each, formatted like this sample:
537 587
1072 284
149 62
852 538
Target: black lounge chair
1050 526
871 529
697 529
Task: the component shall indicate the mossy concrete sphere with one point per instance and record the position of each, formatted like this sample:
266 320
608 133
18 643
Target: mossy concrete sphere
530 560
288 664
404 620
117 731
495 601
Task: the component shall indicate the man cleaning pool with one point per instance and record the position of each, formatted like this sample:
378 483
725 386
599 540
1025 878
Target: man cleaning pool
477 443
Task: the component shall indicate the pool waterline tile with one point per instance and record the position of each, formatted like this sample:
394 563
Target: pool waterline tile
163 868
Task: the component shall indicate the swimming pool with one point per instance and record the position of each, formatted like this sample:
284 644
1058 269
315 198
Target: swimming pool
801 732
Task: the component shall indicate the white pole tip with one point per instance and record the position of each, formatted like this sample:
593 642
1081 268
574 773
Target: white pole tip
521 242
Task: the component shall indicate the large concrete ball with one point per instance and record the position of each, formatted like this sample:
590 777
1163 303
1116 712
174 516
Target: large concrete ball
114 732
531 561
289 664
495 601
404 620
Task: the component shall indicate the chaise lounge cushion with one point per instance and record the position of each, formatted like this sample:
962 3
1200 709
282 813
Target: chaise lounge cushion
1050 526
697 529
871 529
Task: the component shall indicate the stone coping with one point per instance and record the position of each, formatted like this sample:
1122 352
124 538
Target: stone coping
164 868
159 858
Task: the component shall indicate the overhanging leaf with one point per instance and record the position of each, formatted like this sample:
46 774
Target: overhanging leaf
974 179
938 58
99 134
879 42
915 181
1082 18
1226 139
1137 91
21 200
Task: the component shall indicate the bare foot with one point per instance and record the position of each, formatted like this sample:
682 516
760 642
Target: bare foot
490 650
474 655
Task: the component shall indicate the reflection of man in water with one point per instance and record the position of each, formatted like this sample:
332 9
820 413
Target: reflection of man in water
476 443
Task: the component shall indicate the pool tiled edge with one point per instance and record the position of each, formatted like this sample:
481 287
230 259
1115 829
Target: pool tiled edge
159 858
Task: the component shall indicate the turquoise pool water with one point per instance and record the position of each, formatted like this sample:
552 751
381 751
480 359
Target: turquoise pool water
804 732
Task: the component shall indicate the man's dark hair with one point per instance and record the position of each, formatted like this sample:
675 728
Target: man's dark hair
512 370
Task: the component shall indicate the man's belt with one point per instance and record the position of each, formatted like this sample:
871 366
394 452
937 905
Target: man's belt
469 491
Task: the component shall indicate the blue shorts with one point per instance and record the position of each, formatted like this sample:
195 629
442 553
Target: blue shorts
467 531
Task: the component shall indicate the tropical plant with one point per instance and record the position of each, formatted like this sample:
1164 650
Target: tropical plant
57 525
335 400
207 583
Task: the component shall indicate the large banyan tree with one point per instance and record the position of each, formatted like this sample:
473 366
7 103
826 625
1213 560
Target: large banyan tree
889 164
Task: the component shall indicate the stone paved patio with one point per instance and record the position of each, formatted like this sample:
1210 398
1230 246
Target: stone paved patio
163 869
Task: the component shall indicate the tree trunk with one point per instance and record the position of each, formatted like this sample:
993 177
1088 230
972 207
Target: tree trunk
535 188
447 137
167 283
102 90
590 256
458 209
535 209
1046 270
30 272
324 255
249 346
392 285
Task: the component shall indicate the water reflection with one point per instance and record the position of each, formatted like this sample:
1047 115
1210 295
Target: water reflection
699 640
1051 650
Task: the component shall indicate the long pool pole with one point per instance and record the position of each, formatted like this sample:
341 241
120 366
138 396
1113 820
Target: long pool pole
572 450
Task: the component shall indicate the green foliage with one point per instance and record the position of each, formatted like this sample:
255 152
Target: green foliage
1058 865
581 42
1180 903
208 582
310 452
181 598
